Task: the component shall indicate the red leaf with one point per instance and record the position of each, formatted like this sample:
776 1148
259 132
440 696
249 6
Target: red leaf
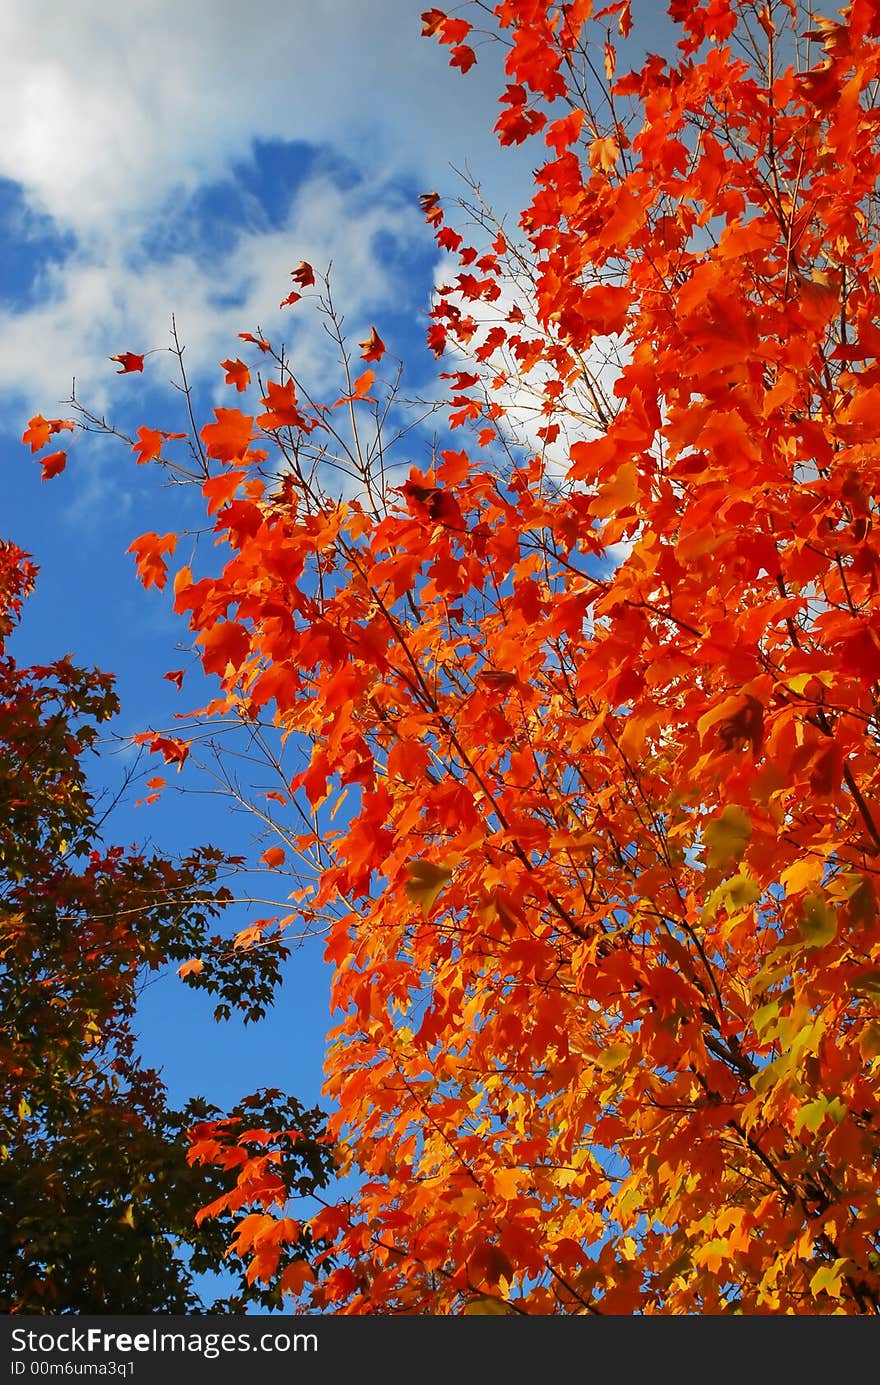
226 643
219 490
128 361
432 20
256 341
53 464
373 346
172 750
303 275
463 56
430 205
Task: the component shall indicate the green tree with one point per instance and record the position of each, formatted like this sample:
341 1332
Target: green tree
99 1198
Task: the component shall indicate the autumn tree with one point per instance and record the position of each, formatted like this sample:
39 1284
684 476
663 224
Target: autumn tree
99 1200
597 684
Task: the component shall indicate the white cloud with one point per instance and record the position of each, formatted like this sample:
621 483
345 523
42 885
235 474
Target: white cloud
115 113
93 308
107 107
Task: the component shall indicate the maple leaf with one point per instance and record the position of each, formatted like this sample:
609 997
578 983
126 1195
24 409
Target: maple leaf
463 57
255 341
128 361
225 644
603 154
275 856
229 437
52 465
372 347
40 429
430 205
148 550
237 374
295 1277
193 967
281 408
360 389
432 20
726 837
425 883
148 446
303 275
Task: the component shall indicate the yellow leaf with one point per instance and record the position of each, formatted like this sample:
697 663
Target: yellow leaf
486 1306
713 1255
427 880
817 923
802 875
765 1021
829 1278
613 1057
617 494
811 1115
603 154
741 891
726 837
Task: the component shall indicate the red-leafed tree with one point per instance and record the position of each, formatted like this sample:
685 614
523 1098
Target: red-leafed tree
598 683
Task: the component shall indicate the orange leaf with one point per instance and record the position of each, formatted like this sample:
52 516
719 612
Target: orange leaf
237 374
148 446
191 968
40 429
151 566
228 439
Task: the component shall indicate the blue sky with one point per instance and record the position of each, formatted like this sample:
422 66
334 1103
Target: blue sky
166 158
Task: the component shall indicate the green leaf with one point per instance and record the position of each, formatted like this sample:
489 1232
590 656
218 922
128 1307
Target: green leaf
726 837
817 923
